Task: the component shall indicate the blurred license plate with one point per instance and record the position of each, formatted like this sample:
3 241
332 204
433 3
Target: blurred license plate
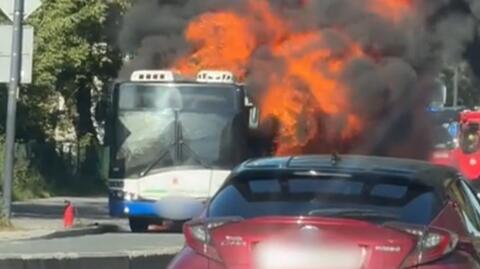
441 155
271 256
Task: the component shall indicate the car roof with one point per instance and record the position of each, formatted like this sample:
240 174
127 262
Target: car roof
425 172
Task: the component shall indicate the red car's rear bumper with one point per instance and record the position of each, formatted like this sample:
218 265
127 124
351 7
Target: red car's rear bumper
188 259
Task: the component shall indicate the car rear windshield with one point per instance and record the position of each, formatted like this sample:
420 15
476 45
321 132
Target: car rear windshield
257 194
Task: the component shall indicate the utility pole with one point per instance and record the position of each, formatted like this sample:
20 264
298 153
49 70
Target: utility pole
13 91
455 87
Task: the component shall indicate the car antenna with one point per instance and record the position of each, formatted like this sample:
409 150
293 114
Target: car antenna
335 158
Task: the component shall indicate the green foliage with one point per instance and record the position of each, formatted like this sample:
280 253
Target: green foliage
74 49
91 161
74 54
67 33
28 183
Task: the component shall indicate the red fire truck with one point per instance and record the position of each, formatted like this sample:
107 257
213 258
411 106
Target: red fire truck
466 156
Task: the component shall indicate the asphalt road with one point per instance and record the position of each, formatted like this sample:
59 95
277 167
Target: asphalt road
48 213
104 251
122 249
114 244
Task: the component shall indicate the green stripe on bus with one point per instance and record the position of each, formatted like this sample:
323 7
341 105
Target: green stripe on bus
155 191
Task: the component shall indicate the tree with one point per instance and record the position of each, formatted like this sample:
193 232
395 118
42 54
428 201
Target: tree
74 55
73 58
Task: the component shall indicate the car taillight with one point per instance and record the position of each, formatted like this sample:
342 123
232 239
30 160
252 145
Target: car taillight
198 235
432 244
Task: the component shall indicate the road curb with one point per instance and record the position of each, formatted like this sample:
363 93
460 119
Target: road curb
80 231
118 261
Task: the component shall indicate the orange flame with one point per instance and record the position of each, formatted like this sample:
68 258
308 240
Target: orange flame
306 93
310 85
223 40
394 10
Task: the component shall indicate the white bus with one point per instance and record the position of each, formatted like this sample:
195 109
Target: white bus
172 141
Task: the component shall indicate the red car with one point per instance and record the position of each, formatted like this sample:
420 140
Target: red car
352 212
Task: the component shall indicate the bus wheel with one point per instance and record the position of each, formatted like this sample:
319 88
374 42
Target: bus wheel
138 225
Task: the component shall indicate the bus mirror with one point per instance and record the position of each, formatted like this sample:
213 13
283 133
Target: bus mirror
439 98
248 103
253 120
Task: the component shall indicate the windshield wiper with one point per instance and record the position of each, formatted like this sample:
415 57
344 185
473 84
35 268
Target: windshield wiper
195 156
165 153
156 161
358 213
178 143
181 144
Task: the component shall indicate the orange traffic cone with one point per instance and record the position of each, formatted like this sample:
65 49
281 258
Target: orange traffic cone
68 215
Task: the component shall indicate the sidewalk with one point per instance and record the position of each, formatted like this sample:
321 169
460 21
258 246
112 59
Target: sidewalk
31 227
23 235
19 234
42 217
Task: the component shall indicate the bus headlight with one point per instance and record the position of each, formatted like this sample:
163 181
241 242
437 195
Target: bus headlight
118 194
130 196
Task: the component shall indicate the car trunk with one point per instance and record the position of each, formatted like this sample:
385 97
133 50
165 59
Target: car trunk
310 243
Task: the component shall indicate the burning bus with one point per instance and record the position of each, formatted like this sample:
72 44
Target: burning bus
172 141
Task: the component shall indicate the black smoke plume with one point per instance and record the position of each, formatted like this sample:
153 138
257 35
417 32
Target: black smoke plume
389 88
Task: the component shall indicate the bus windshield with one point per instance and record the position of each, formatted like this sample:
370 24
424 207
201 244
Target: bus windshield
442 138
445 128
185 97
162 126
